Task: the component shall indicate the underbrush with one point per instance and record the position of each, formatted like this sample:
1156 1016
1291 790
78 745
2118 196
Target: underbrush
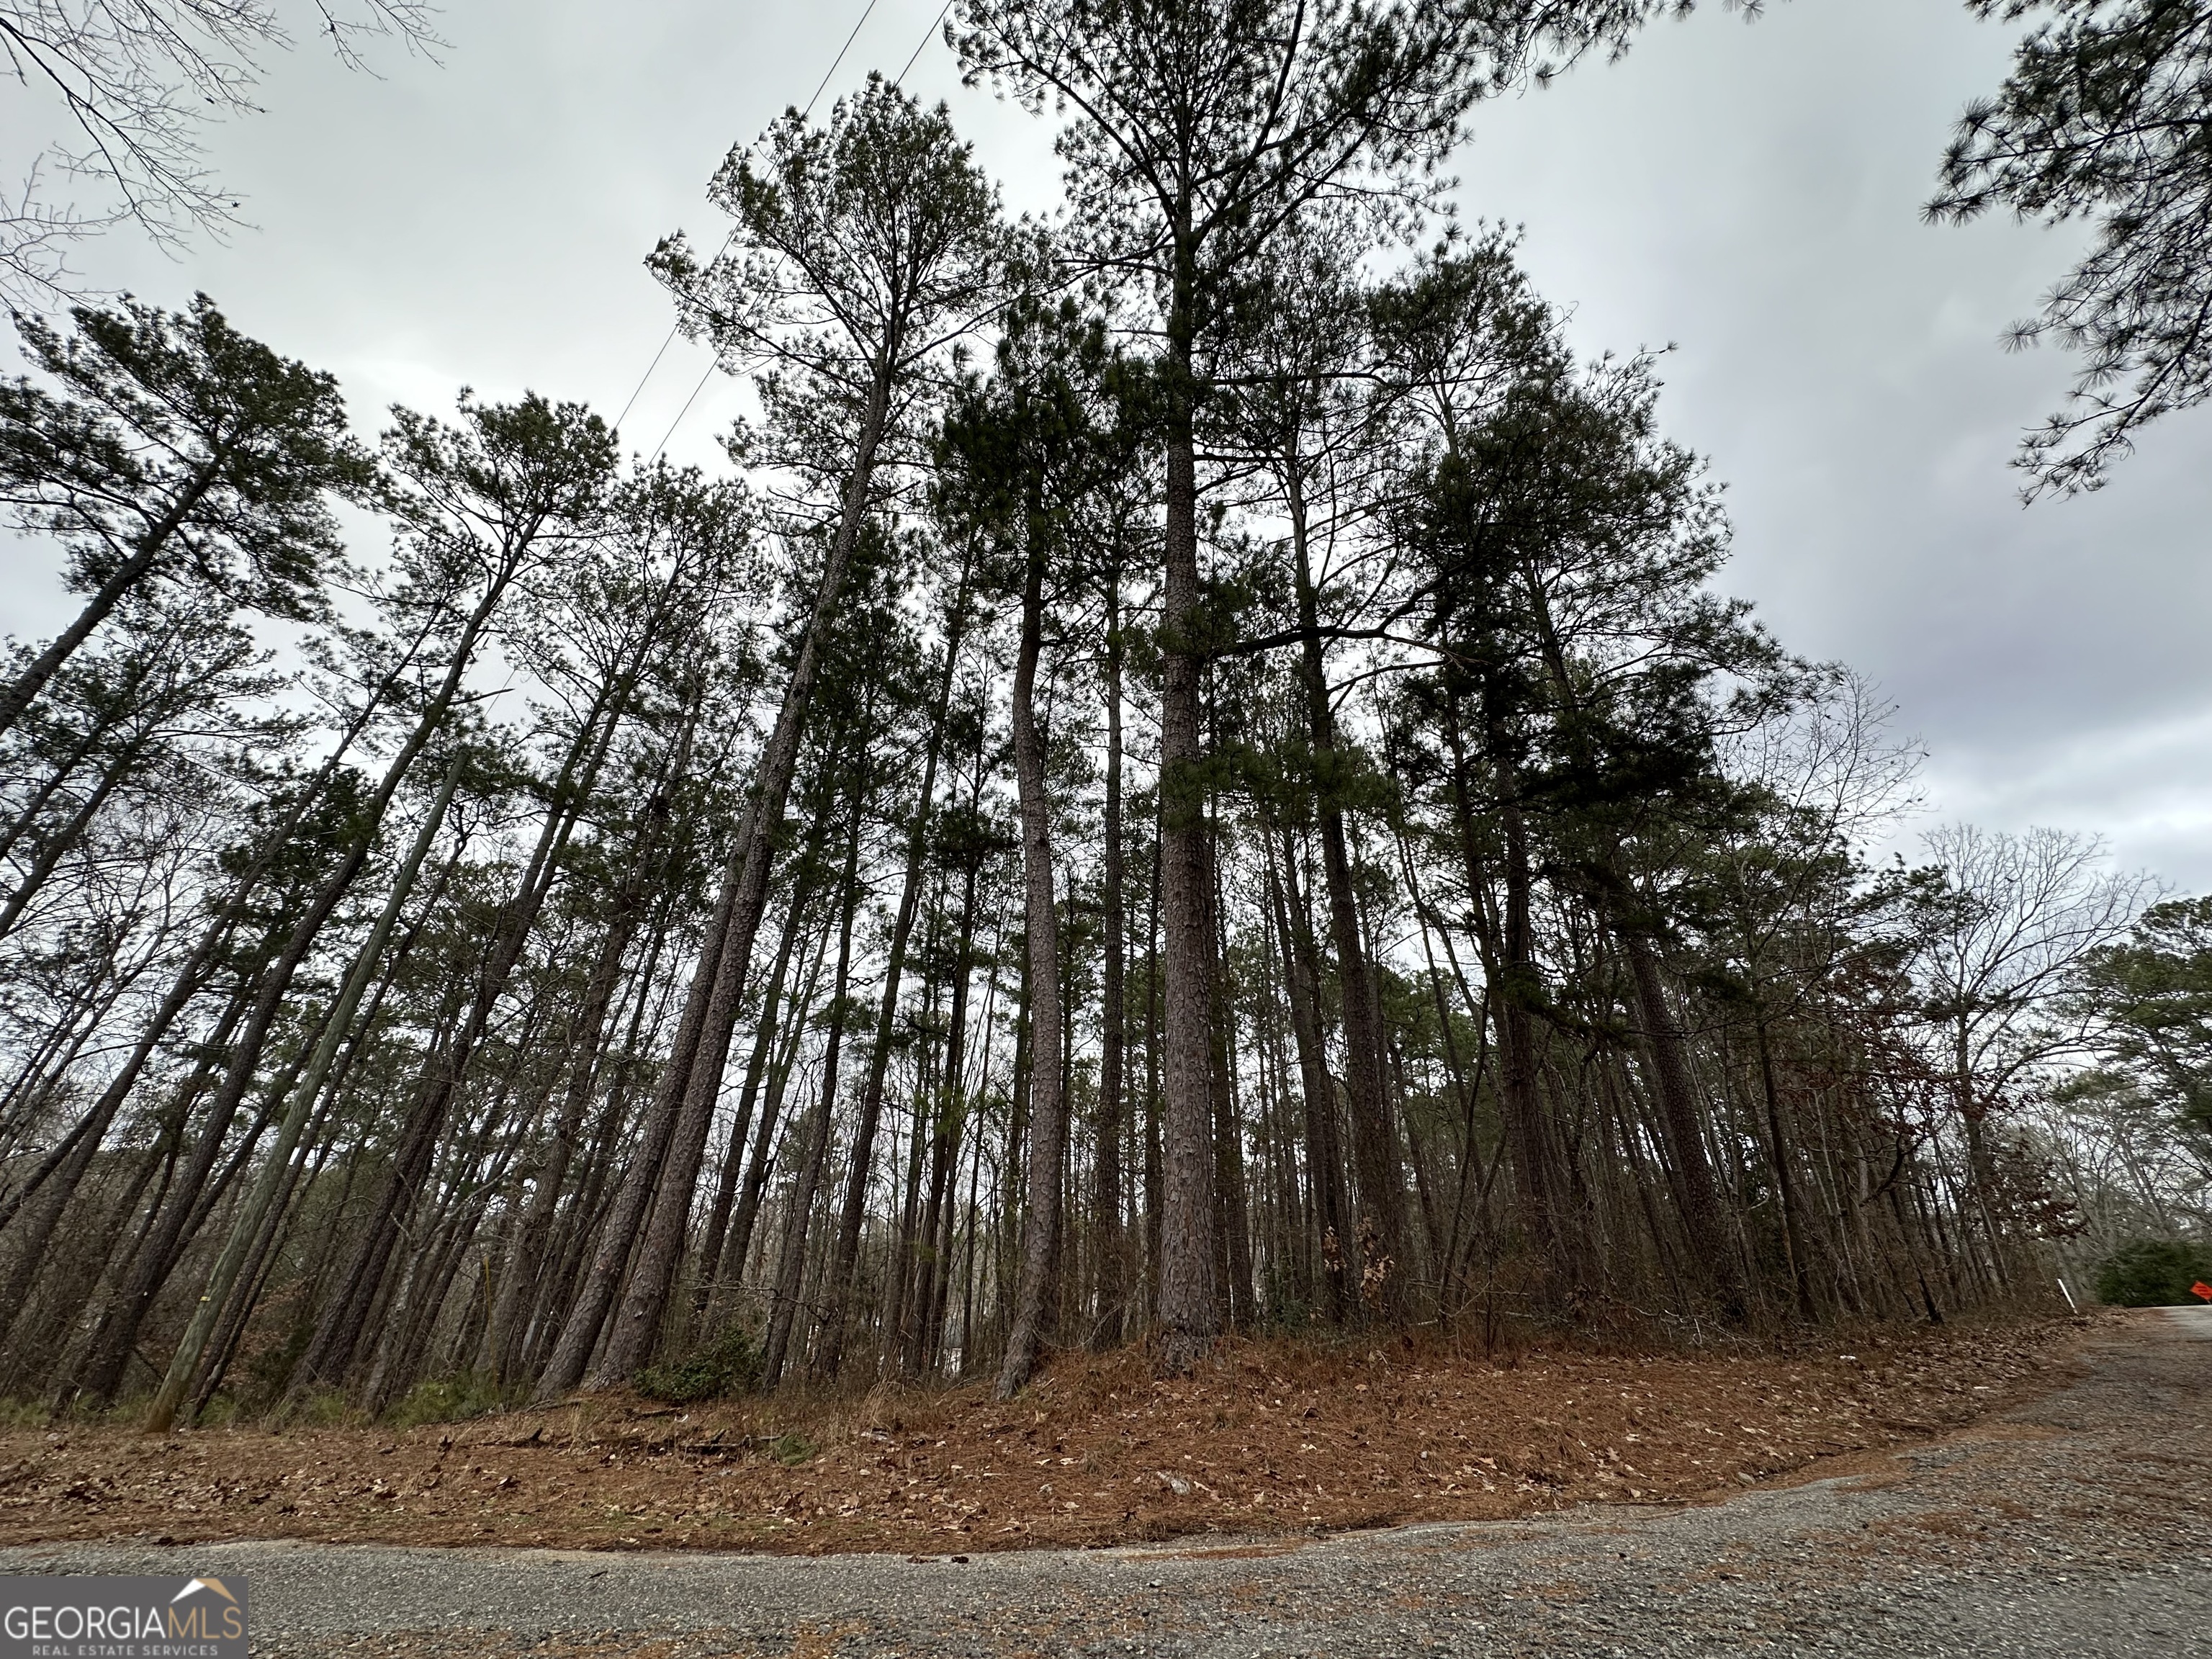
727 1364
715 1390
2154 1273
446 1399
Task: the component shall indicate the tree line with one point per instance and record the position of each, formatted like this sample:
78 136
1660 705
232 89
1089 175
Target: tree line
1189 775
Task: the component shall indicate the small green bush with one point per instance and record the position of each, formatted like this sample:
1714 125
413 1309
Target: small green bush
445 1399
727 1363
323 1408
792 1449
2153 1273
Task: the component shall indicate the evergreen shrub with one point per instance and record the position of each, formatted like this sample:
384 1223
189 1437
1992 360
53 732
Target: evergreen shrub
727 1363
2154 1273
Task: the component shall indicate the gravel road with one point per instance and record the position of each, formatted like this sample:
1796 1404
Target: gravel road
2078 1525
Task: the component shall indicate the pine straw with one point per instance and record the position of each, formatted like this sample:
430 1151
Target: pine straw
1268 1438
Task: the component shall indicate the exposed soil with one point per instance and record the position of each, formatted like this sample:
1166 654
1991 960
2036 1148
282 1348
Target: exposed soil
1270 1438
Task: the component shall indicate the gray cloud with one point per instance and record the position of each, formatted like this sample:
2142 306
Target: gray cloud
1747 193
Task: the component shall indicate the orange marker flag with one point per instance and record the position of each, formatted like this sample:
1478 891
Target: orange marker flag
2200 1288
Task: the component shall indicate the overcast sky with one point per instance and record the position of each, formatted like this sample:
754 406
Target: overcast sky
1749 194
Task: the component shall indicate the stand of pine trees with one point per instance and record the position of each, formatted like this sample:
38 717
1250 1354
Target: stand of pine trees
1178 785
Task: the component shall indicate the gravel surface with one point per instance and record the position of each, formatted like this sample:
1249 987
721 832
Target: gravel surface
2078 1524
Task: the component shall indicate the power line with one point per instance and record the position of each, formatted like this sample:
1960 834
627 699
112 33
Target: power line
925 39
838 59
920 46
866 11
649 367
686 410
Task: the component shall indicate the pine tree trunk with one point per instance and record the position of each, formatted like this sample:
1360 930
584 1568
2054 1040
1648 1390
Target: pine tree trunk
525 1270
248 1223
587 1315
638 1323
1696 1196
1155 1156
1106 1180
898 1273
1233 1223
337 1337
56 846
791 1256
946 1121
1324 1160
102 1371
1380 1179
845 1260
768 1029
24 689
1510 961
1189 1317
54 1182
1047 1114
758 1167
1785 1182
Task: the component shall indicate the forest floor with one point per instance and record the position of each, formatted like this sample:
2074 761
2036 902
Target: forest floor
2071 1516
1267 1439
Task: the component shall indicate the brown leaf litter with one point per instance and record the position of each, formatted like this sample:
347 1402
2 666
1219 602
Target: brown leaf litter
1268 1438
